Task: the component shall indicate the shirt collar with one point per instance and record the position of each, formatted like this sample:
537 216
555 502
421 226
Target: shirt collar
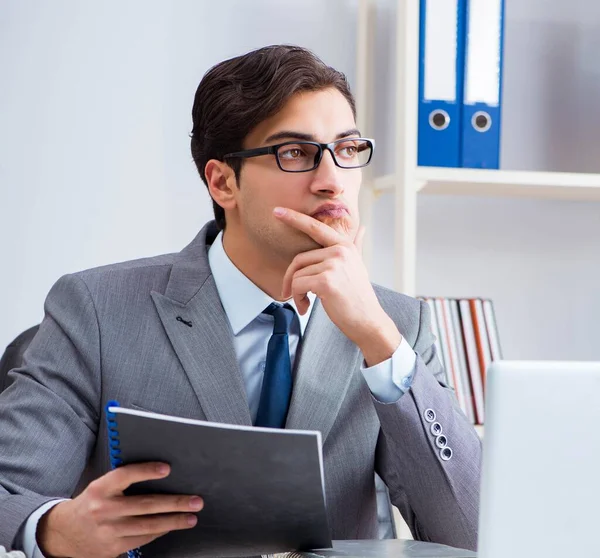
242 300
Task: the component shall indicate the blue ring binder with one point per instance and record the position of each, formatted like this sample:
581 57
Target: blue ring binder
441 81
115 452
483 82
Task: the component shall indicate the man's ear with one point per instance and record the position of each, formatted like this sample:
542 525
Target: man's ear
221 183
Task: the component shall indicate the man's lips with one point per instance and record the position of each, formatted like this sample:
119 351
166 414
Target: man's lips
331 211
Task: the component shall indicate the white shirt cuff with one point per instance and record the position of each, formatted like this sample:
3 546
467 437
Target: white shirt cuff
392 378
26 540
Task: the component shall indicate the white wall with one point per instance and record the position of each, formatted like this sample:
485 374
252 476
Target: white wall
95 104
95 167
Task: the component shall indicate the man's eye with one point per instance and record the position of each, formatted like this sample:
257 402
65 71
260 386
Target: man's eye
348 151
292 153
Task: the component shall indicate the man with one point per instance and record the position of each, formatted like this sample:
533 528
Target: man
275 141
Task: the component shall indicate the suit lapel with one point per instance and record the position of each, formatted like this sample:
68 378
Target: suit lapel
197 326
326 364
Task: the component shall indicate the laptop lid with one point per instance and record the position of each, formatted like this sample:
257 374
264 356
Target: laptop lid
541 461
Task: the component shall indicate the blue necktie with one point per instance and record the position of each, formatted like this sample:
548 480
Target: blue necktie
277 382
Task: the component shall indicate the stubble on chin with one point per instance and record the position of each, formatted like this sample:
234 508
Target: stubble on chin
344 226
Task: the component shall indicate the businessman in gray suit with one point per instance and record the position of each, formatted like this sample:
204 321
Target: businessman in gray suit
275 141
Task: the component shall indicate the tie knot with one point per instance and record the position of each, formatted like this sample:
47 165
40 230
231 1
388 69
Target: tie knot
283 317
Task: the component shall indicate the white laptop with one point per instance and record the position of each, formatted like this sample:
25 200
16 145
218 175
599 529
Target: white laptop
541 461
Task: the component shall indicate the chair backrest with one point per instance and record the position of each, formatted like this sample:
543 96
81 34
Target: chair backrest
13 355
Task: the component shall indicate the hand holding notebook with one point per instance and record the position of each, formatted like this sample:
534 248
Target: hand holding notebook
263 488
103 522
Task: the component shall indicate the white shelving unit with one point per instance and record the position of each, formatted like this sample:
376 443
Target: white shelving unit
475 182
409 180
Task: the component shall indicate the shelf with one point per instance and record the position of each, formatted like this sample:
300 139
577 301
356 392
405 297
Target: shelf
407 180
524 184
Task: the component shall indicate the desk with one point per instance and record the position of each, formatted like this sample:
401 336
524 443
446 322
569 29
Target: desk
391 548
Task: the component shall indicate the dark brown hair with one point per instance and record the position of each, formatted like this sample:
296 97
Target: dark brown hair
238 94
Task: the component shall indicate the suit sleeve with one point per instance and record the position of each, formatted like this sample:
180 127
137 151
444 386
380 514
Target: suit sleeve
49 412
435 488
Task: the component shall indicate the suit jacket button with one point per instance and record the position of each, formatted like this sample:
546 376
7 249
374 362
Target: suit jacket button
429 415
441 441
436 428
446 454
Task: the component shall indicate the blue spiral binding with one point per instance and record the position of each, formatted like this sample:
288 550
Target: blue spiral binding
113 436
115 452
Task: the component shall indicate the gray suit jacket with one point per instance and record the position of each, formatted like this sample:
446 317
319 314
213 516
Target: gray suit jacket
113 333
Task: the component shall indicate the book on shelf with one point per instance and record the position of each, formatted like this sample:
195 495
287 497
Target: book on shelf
467 341
490 322
263 488
456 334
481 338
473 365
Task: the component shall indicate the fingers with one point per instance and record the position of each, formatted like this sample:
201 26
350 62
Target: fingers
151 504
320 232
300 295
307 259
102 517
115 482
302 304
301 286
155 525
300 261
135 541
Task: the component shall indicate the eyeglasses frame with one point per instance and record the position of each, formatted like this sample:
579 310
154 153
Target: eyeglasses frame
273 149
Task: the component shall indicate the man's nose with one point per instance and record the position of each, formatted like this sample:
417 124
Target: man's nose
327 179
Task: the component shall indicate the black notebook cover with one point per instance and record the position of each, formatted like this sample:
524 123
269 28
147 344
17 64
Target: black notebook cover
262 488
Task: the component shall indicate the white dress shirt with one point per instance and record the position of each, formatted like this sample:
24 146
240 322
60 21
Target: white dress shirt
244 303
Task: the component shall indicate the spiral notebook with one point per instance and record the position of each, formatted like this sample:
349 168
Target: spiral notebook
263 488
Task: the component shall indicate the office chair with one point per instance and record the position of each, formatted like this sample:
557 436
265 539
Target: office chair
13 355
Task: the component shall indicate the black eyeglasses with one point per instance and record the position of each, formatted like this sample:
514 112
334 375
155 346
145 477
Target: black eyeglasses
304 156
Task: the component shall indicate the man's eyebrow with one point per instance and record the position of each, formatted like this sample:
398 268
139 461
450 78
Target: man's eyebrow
294 135
352 132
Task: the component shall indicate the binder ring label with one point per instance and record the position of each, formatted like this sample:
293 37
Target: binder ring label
439 120
481 121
